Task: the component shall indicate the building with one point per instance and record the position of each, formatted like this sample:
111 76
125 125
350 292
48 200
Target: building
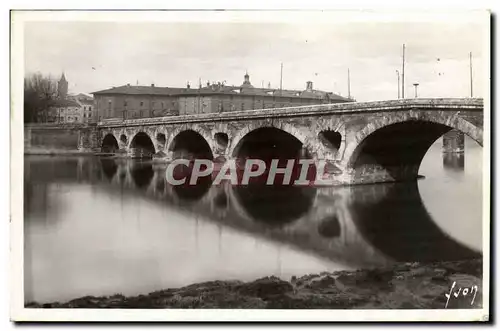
126 102
67 111
86 102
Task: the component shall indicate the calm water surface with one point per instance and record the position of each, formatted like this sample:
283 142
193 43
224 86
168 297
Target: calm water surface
96 226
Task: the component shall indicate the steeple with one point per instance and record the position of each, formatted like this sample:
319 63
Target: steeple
246 82
62 87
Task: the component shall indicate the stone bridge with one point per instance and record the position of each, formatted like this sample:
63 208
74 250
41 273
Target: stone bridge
364 142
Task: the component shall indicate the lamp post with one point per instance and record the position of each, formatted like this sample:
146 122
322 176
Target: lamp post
416 89
470 73
399 85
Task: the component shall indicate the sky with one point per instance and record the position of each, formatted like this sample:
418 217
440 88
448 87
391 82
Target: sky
96 55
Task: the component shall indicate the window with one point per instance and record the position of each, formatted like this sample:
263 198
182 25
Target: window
142 103
141 112
162 105
109 104
125 103
152 104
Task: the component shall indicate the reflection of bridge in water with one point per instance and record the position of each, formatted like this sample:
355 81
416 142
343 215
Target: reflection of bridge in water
358 226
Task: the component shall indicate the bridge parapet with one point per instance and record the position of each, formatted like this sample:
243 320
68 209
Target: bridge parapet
453 104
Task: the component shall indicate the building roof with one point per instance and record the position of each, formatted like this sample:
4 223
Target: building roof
142 90
86 101
64 103
217 89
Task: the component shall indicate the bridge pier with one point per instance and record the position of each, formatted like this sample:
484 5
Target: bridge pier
88 140
453 142
373 173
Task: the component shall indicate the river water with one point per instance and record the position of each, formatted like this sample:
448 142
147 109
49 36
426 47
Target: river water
97 226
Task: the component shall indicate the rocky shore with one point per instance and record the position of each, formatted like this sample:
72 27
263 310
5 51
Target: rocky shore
402 286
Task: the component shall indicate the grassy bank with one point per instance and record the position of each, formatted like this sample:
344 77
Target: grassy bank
409 285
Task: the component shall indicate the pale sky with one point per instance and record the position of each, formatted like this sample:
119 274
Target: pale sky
171 54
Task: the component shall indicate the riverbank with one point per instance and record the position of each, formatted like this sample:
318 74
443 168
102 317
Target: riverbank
57 152
402 286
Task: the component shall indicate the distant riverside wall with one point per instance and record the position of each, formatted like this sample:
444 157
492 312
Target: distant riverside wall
56 139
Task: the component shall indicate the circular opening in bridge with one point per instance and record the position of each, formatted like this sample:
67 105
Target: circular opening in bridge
160 184
142 173
109 144
161 139
329 227
190 144
330 139
142 146
222 140
123 139
275 206
109 167
221 201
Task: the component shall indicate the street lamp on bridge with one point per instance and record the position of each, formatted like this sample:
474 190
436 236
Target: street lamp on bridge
416 89
399 85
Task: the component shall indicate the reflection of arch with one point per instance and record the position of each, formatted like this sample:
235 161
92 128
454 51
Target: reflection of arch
274 206
285 127
109 167
190 143
142 174
142 145
187 193
432 120
393 218
109 144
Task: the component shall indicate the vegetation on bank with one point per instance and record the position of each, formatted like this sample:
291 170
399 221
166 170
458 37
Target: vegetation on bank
408 285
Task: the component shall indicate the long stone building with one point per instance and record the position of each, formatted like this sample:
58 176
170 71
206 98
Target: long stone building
129 102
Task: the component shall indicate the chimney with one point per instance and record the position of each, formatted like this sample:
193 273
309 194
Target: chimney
208 83
128 84
309 86
188 86
153 85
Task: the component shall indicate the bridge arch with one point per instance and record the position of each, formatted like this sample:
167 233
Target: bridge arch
239 138
190 143
109 144
267 141
398 143
142 145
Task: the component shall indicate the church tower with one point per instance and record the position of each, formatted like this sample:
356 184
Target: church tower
62 87
246 82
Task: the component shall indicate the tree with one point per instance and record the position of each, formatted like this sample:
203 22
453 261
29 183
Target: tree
40 93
